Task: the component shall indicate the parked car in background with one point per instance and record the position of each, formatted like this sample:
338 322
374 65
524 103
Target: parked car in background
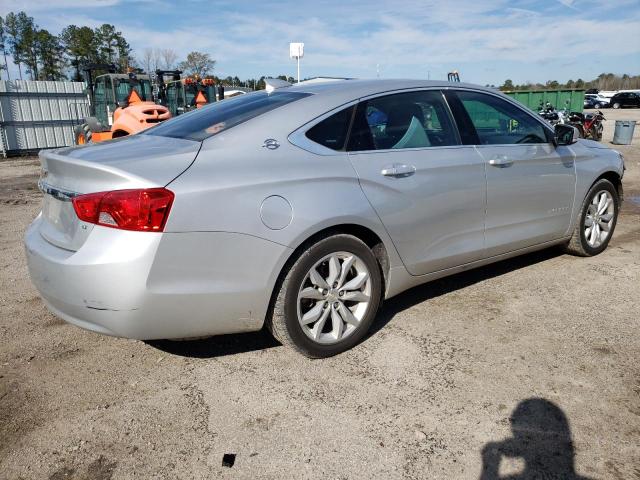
625 99
589 102
595 101
301 208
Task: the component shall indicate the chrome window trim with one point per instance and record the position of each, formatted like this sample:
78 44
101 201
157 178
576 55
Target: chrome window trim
299 138
414 149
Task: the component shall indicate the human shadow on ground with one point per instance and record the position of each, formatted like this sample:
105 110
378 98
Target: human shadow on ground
247 342
541 438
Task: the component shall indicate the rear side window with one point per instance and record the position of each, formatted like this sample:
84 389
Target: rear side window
216 117
497 122
332 131
402 120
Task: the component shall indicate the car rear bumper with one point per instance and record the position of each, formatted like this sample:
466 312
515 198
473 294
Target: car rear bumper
157 285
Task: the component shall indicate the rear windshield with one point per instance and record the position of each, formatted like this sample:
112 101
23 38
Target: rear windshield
216 117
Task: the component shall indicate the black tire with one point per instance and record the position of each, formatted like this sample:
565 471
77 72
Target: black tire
596 133
616 105
282 320
578 244
81 134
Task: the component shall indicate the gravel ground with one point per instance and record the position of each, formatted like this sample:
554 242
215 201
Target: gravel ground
492 369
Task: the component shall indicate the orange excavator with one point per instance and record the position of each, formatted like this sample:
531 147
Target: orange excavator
119 105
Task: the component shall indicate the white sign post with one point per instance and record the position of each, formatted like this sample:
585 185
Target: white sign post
296 50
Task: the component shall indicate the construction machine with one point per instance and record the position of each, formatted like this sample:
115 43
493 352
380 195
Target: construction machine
119 105
453 76
181 95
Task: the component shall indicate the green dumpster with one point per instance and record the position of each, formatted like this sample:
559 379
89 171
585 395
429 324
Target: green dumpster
573 100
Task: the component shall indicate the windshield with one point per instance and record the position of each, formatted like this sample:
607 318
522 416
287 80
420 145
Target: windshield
213 118
123 88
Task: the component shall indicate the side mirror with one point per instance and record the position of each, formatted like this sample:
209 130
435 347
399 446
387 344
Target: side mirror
566 134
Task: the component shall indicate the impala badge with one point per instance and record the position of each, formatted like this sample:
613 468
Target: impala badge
271 144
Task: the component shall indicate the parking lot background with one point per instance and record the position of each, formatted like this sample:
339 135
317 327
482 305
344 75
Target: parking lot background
525 354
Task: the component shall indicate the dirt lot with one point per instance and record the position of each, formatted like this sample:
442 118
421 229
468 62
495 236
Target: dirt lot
539 340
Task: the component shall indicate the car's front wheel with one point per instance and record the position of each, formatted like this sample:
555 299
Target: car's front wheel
328 298
596 221
616 105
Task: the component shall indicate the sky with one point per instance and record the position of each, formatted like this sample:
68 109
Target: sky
487 41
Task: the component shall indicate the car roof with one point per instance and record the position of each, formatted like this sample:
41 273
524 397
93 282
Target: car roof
323 97
364 87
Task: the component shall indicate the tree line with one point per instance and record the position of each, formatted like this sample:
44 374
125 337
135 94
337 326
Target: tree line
41 55
605 81
44 56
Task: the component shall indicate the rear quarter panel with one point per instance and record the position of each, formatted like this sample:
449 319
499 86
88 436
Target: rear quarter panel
225 188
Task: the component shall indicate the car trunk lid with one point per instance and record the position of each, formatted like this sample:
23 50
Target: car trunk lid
140 161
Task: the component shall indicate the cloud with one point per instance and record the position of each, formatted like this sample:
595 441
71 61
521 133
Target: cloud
33 6
351 38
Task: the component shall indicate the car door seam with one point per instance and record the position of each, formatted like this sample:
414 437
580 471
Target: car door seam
364 194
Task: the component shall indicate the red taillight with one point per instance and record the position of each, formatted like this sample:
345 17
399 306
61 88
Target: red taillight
139 210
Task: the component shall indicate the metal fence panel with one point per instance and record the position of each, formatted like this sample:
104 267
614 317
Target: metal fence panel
39 114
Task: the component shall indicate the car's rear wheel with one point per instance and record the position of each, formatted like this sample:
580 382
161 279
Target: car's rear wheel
597 220
328 298
82 134
616 105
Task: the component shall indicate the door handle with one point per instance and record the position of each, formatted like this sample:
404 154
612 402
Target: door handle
398 170
501 161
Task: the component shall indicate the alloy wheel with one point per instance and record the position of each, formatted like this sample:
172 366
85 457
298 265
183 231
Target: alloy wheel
599 218
334 297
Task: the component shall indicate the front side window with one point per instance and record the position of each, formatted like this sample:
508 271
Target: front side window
216 117
497 122
403 120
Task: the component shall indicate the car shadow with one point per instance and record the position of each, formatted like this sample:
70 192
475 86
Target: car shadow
541 438
218 346
232 344
461 280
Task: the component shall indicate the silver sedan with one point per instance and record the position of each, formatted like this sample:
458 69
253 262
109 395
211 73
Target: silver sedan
301 208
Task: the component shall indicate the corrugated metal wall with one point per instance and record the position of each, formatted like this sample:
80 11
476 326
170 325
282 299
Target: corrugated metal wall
39 114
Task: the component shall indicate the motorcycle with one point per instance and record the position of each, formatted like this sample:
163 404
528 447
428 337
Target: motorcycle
589 125
576 119
593 125
549 113
567 117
